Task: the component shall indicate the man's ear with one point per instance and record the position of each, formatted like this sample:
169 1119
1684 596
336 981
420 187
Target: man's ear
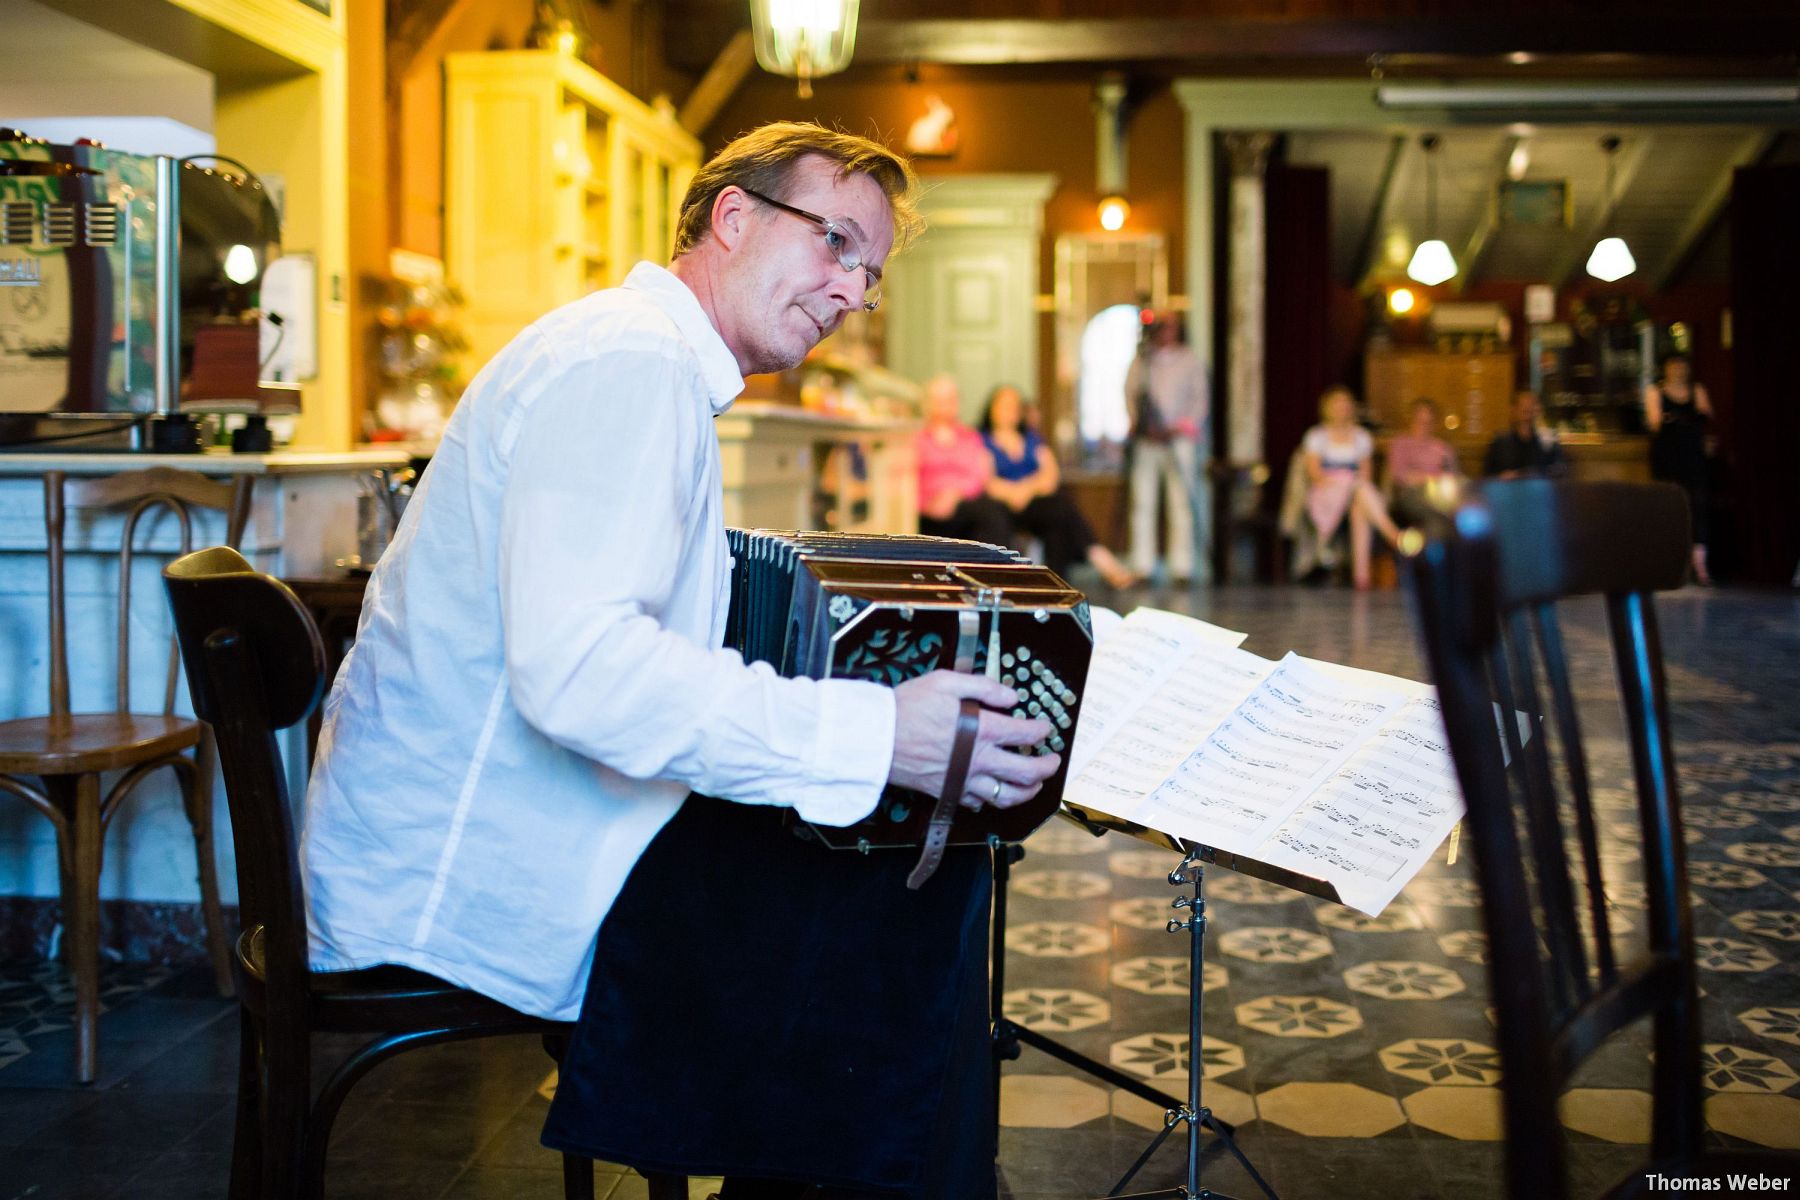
730 213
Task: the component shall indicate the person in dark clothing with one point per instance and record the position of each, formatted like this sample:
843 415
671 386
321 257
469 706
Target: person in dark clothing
1525 448
1026 480
1677 411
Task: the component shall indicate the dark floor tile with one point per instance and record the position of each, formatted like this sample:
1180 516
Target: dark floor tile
396 1179
448 1131
513 1183
24 1111
139 1123
181 1175
65 1172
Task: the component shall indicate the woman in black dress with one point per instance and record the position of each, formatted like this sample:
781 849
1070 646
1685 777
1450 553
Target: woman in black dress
1677 411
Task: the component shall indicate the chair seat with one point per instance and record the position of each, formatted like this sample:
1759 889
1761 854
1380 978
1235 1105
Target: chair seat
385 999
85 742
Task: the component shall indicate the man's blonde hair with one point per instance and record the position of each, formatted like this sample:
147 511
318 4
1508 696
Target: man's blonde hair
764 159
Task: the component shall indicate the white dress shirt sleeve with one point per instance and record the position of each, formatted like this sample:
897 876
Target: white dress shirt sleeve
604 471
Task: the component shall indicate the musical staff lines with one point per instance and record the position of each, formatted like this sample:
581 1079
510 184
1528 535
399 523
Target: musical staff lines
1328 771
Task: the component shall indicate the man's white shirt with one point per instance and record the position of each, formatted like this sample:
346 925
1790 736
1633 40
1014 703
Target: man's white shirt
537 683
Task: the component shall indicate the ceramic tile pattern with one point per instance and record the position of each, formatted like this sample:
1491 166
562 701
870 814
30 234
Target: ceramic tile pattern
1355 1055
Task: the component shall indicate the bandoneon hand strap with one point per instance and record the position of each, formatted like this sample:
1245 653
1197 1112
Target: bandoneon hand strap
937 836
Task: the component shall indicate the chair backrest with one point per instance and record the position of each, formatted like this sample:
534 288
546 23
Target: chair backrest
1489 566
180 492
255 664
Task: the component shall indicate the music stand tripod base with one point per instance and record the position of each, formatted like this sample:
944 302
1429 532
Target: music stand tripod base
1193 1113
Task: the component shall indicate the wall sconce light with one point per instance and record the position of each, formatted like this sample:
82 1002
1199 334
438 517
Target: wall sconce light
1401 301
803 39
1113 211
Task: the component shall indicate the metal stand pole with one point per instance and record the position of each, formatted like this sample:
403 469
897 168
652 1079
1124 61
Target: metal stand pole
1008 1037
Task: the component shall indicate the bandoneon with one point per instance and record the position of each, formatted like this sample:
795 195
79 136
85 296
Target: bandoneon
888 608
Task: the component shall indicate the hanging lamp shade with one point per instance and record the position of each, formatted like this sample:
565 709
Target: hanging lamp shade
803 39
1611 259
1432 263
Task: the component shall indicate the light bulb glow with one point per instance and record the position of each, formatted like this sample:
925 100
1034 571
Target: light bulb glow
1611 260
1401 301
1432 263
1113 211
240 264
814 16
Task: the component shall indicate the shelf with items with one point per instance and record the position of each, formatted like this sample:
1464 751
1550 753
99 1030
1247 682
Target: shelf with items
558 182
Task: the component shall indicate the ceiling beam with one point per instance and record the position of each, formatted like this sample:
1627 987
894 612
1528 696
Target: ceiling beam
1481 238
1368 249
975 42
719 84
1581 242
1709 208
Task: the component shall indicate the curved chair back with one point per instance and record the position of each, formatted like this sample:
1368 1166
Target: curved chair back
1488 567
255 665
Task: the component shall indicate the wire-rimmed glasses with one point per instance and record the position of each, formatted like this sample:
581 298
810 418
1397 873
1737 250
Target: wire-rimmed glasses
840 240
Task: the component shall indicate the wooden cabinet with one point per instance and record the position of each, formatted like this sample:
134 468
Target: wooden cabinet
558 182
1473 392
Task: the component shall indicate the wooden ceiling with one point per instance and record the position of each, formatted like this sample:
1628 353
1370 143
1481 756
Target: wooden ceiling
1169 37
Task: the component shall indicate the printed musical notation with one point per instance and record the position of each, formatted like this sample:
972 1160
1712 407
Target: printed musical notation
1380 816
1150 650
1327 771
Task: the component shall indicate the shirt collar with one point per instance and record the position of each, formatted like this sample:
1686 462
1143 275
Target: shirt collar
718 366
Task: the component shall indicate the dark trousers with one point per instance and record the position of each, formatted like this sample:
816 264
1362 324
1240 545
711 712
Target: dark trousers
1056 521
766 1009
979 519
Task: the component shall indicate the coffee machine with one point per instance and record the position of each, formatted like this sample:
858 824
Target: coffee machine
118 271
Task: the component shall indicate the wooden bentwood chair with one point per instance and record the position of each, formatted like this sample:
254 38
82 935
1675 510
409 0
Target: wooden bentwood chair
66 751
255 665
1488 574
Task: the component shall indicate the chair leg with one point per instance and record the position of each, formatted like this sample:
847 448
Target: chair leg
246 1140
79 799
287 1087
197 798
578 1177
667 1187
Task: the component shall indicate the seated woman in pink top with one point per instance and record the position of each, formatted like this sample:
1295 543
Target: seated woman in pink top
954 470
1418 455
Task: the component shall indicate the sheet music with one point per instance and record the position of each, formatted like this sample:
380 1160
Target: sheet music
1146 649
1288 736
1166 726
1374 823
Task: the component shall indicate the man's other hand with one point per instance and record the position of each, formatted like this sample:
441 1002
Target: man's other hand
925 714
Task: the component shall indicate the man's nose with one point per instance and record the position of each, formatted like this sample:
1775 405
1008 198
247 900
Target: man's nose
846 289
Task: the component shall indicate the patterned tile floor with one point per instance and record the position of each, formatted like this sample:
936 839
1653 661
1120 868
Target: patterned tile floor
1355 1055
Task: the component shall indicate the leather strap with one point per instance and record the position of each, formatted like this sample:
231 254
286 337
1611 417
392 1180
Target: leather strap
937 836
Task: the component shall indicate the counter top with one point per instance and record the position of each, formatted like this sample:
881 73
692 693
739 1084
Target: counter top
807 419
280 462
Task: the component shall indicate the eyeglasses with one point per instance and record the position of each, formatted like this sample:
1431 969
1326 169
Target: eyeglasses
841 240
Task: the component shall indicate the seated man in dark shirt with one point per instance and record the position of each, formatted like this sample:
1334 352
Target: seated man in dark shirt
1525 448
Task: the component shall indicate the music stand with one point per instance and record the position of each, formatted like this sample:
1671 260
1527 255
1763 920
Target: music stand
1009 1034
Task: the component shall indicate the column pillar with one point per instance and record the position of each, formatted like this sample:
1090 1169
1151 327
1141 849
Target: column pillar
1249 157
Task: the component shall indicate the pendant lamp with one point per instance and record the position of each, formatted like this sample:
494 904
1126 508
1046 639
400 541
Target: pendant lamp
803 39
1432 263
1611 259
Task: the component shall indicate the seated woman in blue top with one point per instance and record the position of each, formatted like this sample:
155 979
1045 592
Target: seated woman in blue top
1027 481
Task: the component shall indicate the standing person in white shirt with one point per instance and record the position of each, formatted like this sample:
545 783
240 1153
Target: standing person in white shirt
538 685
1165 390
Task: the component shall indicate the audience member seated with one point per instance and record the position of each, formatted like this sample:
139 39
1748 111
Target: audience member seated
954 469
1026 480
1337 455
1526 448
1418 456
